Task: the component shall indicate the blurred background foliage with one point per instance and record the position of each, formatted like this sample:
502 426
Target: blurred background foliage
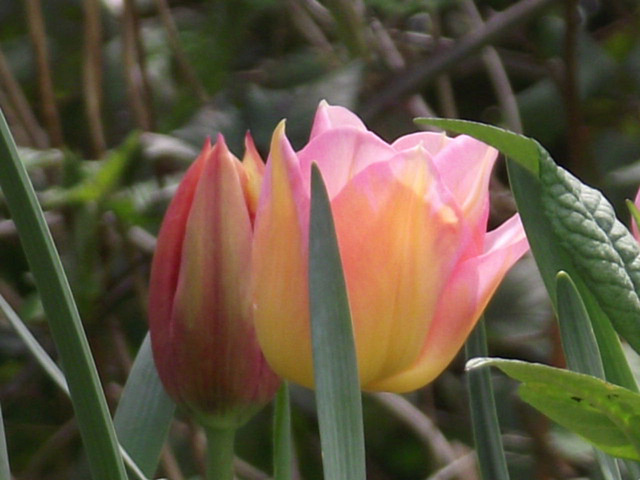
110 100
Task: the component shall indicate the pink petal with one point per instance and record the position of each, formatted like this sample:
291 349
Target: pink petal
329 117
432 142
341 154
461 304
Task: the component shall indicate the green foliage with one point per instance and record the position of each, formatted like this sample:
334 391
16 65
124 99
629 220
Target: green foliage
605 414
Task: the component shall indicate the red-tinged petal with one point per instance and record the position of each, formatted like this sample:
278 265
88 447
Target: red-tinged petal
212 337
461 304
280 266
329 117
341 154
166 262
399 241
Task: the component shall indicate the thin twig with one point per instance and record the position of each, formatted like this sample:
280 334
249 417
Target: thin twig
133 69
390 54
38 137
498 75
456 469
421 425
423 72
39 39
92 75
570 84
176 46
308 27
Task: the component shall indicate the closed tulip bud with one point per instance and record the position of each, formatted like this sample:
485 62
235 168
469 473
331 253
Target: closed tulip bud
411 221
200 314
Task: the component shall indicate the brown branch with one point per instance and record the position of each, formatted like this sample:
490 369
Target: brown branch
497 75
92 75
39 39
137 86
570 84
37 136
173 36
423 72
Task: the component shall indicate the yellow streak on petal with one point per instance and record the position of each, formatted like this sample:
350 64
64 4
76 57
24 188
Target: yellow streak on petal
280 291
396 240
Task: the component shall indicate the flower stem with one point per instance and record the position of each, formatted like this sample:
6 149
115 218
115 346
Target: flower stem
220 453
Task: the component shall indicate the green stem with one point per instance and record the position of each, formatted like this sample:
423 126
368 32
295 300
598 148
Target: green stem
220 453
486 430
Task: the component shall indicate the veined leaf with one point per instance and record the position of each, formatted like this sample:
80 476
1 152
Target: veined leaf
605 414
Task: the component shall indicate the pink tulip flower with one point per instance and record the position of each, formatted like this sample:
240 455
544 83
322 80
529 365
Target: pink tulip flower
200 315
411 220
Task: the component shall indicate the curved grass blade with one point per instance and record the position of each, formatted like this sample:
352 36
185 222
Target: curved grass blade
581 349
50 367
5 470
486 430
90 406
144 413
282 435
337 382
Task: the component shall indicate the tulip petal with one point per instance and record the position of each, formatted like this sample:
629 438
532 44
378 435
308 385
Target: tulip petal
329 117
396 260
432 142
166 262
461 304
465 166
212 306
280 265
341 154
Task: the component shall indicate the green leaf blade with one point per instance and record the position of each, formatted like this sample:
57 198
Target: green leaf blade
90 406
486 430
337 382
144 413
605 414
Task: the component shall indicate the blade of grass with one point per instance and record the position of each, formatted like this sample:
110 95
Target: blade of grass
90 406
334 359
282 435
581 349
50 367
144 413
5 470
486 430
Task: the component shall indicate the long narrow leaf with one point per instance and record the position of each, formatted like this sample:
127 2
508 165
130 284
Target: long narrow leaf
335 365
5 470
90 406
51 368
581 349
486 430
144 412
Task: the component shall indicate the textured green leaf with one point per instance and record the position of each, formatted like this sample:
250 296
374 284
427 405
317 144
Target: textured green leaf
604 414
335 365
604 251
